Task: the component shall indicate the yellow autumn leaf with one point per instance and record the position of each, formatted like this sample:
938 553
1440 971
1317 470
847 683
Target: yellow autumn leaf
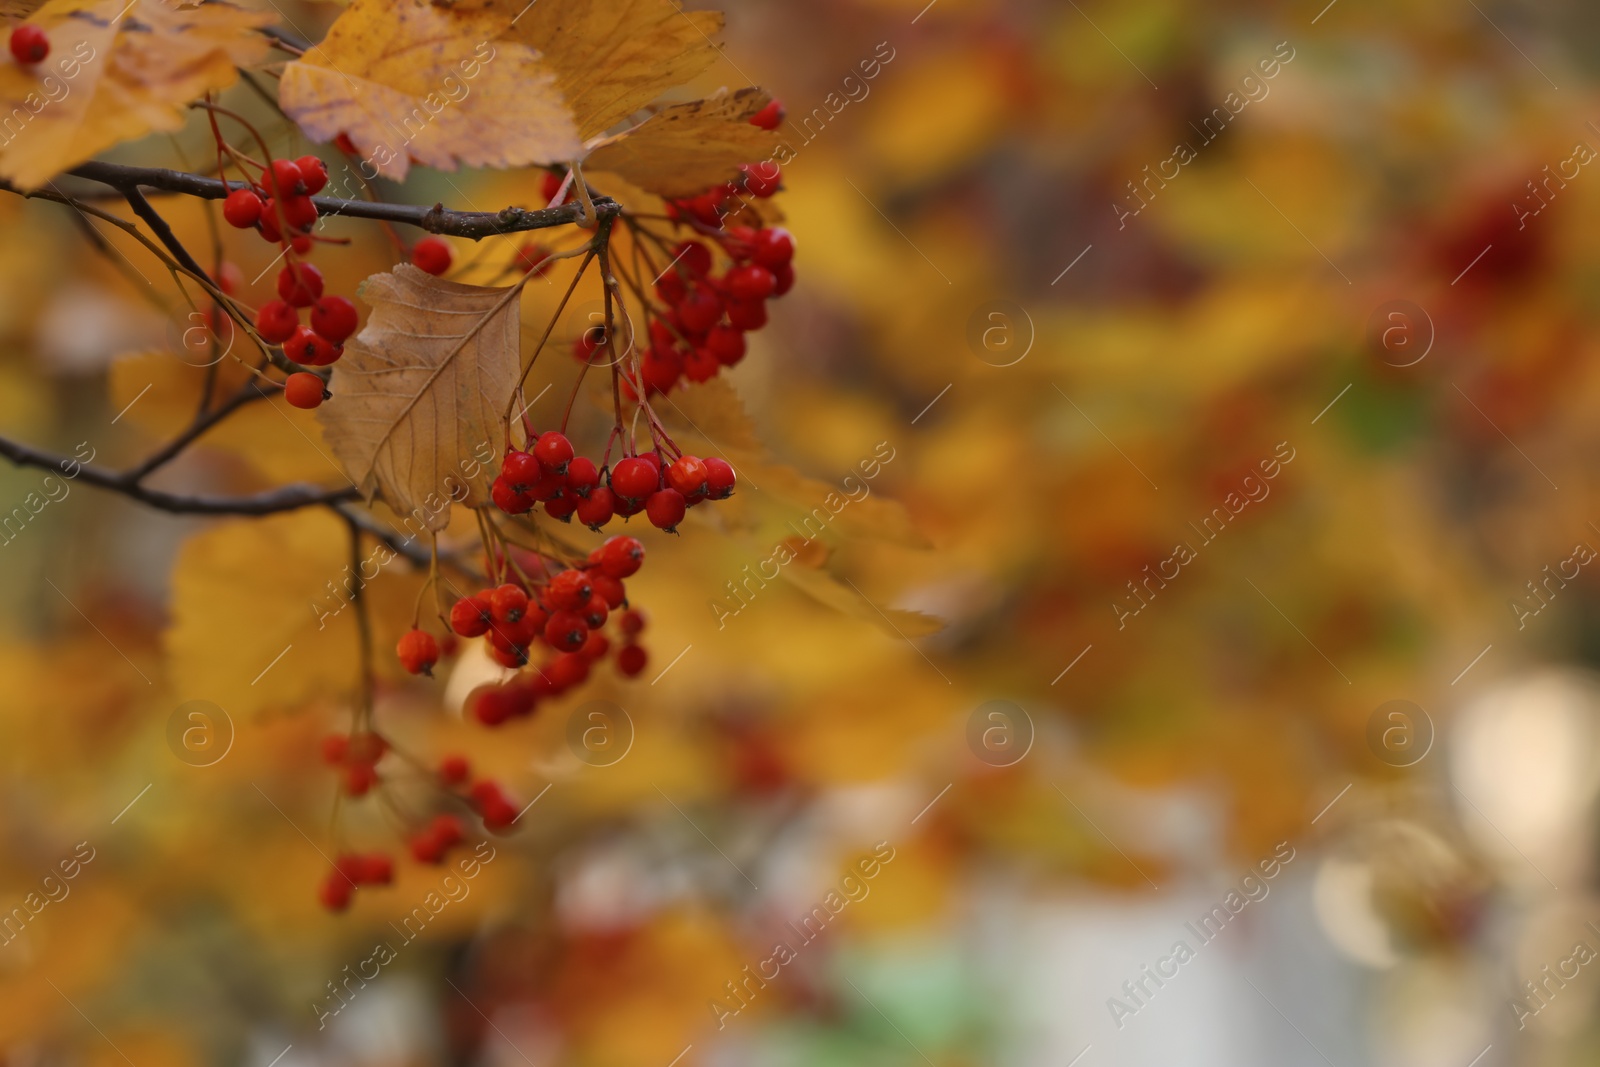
261 615
612 57
421 395
829 591
687 149
413 81
160 393
117 71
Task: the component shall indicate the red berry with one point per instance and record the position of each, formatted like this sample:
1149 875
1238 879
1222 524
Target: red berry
700 365
418 652
596 647
276 322
285 179
512 658
595 612
632 622
761 179
359 778
590 342
553 451
269 221
29 44
301 244
344 144
596 509
671 288
335 891
568 591
747 314
720 479
750 282
631 660
470 616
448 829
310 350
508 603
726 344
521 470
609 589
551 185
773 248
431 254
687 475
304 390
665 508
568 669
699 311
242 209
566 631
454 769
313 172
300 284
693 257
769 117
334 317
427 848
621 557
784 276
634 478
509 499
376 869
582 476
300 212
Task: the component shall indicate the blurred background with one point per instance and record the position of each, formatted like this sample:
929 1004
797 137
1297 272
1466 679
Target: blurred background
1223 374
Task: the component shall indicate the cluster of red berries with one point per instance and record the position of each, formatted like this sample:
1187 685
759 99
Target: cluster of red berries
570 485
429 844
29 45
704 317
357 759
281 210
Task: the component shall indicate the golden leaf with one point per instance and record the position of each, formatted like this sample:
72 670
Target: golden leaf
116 72
423 389
261 615
687 149
612 57
411 81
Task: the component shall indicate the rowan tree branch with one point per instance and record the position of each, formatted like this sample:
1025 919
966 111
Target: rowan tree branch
472 224
271 502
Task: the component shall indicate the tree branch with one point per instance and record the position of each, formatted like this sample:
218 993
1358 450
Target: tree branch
163 455
271 502
472 224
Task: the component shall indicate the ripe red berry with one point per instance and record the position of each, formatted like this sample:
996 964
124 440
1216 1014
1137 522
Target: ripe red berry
470 616
566 631
726 344
550 185
582 476
359 778
300 284
334 317
313 173
534 260
335 891
631 660
426 847
335 747
418 652
773 248
687 475
431 254
700 365
285 178
693 257
747 314
784 279
448 829
750 282
671 288
242 209
29 44
596 647
508 603
720 479
304 390
665 509
454 769
769 117
634 478
310 350
300 212
269 221
596 509
621 557
521 470
699 311
511 659
761 179
607 588
595 612
553 451
301 244
509 499
276 322
568 591
632 622
376 869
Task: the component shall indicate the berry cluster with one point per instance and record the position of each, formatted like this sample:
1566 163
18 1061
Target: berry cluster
570 485
279 207
429 842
